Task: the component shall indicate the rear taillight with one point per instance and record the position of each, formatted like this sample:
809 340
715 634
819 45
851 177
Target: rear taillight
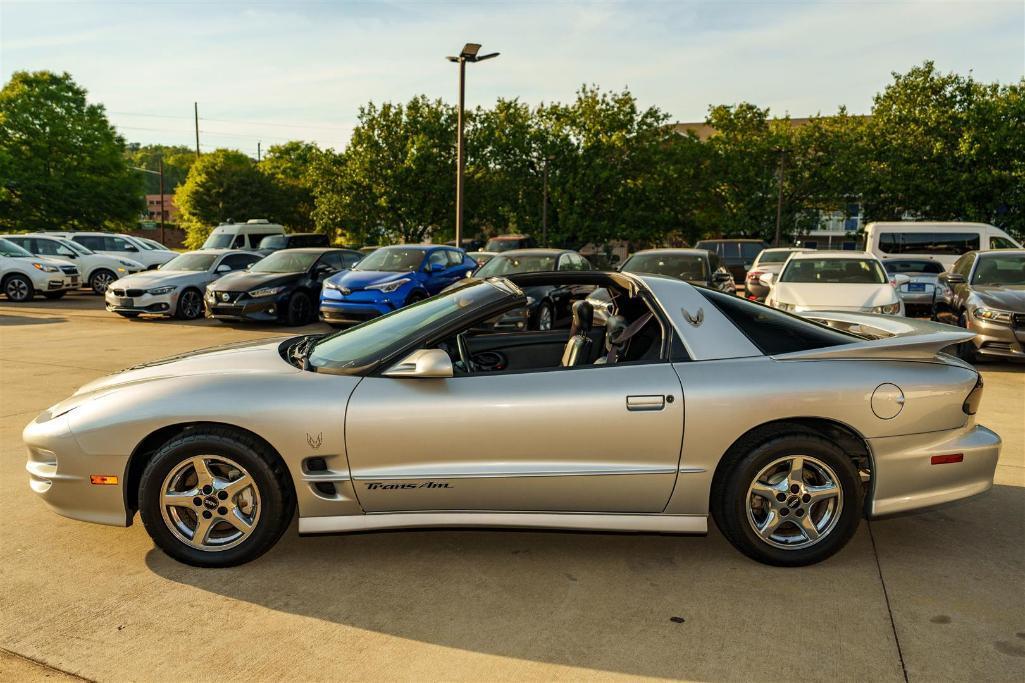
971 404
754 275
946 459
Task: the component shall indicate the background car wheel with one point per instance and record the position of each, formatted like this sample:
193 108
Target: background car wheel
100 280
17 288
544 317
966 350
415 297
190 305
215 498
54 295
789 501
300 310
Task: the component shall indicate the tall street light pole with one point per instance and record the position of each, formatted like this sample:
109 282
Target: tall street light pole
469 54
779 199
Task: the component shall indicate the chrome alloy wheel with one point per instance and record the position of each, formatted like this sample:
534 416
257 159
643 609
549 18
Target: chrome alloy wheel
210 503
102 280
544 318
191 304
794 502
18 289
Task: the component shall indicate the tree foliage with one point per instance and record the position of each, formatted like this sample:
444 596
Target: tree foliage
178 159
62 164
289 167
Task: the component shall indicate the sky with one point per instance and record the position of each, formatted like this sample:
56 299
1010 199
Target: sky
265 71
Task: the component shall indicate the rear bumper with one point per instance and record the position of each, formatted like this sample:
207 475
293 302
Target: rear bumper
906 480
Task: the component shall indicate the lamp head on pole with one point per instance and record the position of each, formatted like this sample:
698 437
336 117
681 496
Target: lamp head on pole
470 54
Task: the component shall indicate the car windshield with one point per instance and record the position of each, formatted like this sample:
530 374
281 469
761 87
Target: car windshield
8 248
834 270
285 262
1004 269
503 245
193 261
138 241
218 241
392 260
274 242
375 339
683 266
526 263
774 256
75 247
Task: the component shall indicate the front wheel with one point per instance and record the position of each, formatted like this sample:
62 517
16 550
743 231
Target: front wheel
215 498
190 305
100 280
18 288
791 501
544 317
300 310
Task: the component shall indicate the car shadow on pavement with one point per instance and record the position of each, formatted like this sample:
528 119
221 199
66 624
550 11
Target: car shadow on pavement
642 605
14 320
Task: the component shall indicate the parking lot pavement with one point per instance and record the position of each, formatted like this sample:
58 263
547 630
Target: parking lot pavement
940 595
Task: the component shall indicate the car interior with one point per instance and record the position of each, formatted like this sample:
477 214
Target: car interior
630 332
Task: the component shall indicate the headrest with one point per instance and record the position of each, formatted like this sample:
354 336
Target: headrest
615 326
583 317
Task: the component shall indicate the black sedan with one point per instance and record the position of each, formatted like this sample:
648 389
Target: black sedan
548 306
284 287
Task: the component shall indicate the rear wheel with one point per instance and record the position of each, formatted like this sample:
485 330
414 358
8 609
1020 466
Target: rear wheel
215 498
300 310
100 280
790 501
18 288
966 350
544 317
190 305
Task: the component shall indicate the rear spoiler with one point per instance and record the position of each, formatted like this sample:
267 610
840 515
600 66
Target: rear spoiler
888 337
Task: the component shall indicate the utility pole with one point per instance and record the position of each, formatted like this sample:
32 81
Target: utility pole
258 151
195 109
162 200
544 207
779 199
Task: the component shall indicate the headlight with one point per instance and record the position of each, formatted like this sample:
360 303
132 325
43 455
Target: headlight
266 291
332 285
992 315
888 309
388 287
45 268
167 289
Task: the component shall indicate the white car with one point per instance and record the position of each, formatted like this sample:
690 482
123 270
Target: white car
120 245
834 281
177 288
23 275
96 270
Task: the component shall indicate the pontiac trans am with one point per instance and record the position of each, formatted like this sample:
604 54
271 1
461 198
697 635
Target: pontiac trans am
784 430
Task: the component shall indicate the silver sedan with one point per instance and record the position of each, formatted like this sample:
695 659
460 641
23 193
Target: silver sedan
369 428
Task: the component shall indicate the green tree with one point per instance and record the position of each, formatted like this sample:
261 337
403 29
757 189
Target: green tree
290 167
396 178
62 164
178 159
224 185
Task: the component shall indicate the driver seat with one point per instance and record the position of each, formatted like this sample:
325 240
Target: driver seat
578 348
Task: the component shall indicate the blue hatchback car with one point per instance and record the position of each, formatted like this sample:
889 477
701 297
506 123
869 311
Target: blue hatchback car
390 278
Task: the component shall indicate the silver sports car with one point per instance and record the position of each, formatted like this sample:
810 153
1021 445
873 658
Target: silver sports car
367 428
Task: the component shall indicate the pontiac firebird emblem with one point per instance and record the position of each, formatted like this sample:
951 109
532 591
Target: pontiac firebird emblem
694 320
315 443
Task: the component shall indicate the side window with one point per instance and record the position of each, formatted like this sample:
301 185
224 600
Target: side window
455 258
565 263
333 260
348 260
1001 243
963 265
438 259
582 263
713 261
119 244
239 242
25 243
93 242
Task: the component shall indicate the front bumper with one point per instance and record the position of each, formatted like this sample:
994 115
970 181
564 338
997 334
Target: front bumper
359 305
996 340
904 478
45 283
153 304
264 309
59 473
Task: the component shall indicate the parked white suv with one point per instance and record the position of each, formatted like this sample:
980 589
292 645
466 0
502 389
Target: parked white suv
96 270
245 236
23 275
120 245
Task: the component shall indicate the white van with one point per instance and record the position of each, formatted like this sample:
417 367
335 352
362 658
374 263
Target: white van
942 242
242 235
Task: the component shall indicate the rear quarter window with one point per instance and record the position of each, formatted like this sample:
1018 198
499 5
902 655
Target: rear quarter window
775 332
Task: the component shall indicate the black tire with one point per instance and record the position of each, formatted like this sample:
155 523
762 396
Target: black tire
123 314
415 297
268 473
18 288
300 310
190 305
745 462
99 279
53 296
966 350
541 322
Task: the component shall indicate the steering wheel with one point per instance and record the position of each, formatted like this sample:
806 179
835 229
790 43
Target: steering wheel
464 353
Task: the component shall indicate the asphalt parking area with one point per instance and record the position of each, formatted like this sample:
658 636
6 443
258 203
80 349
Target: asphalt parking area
939 595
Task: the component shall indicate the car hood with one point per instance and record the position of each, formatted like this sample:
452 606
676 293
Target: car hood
243 281
1006 297
358 279
259 356
156 278
840 295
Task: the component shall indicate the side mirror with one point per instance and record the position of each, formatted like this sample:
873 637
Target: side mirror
766 279
131 247
953 278
435 267
223 268
422 363
901 279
